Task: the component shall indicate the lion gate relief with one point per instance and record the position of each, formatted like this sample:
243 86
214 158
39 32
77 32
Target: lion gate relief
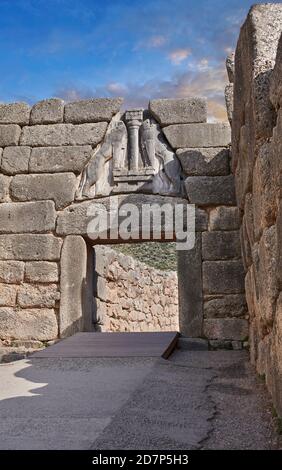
134 156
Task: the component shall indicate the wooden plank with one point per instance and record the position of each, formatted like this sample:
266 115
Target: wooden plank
151 344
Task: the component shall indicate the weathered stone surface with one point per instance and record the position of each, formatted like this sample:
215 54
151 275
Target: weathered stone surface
253 65
58 187
190 290
231 305
75 219
205 161
41 271
74 286
29 247
223 277
249 219
244 166
4 187
224 218
39 324
279 248
37 295
61 134
93 110
15 160
14 113
198 135
226 328
9 134
11 272
59 159
201 222
210 190
251 294
230 65
245 245
266 274
229 91
25 217
8 294
276 79
49 111
221 245
264 192
179 111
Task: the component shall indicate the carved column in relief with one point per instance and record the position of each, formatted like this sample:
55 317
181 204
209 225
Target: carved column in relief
134 120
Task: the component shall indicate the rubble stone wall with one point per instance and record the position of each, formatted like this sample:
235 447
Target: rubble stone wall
132 296
257 165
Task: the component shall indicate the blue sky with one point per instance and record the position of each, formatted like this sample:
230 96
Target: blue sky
139 49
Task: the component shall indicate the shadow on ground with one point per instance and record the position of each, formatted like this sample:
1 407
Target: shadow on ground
195 400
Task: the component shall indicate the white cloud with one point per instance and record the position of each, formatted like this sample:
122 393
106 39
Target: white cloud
178 55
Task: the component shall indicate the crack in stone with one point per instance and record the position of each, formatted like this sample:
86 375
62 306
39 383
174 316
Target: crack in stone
214 413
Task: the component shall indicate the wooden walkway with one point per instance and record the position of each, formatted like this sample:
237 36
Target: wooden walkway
155 344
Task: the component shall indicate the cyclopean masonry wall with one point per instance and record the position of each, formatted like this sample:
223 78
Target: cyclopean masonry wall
132 296
257 163
58 159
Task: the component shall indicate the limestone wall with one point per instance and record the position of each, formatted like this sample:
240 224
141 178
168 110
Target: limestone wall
43 149
132 296
46 262
211 276
257 164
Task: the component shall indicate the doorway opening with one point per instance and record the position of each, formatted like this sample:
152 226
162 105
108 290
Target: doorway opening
135 287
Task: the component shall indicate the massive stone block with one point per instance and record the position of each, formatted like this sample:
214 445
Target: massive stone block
201 222
30 247
226 329
264 191
62 134
4 187
38 295
179 111
58 187
8 294
59 159
38 324
190 290
198 135
210 190
15 160
75 219
9 134
11 272
49 111
276 79
230 305
223 277
34 217
229 91
221 245
253 65
77 270
224 218
230 67
279 248
40 271
205 161
266 274
94 110
14 113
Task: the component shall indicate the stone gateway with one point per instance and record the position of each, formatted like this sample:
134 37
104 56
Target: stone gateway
57 159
